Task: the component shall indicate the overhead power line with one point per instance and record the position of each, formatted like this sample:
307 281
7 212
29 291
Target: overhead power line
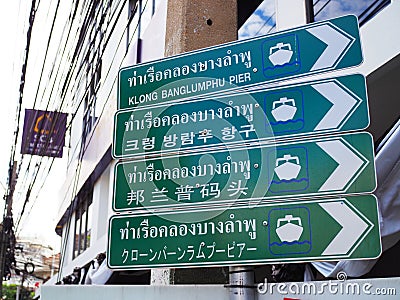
71 56
7 233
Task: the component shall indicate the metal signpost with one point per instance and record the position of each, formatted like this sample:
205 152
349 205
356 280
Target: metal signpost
342 164
335 45
317 107
267 233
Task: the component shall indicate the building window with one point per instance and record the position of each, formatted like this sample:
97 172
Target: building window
261 21
363 9
132 26
92 64
133 6
83 223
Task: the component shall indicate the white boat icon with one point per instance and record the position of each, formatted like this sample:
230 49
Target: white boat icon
289 228
280 54
286 169
283 109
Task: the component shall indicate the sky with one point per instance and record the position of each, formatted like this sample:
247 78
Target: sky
262 21
40 216
8 84
339 7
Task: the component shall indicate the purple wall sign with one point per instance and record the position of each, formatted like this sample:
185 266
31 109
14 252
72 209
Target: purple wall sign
44 133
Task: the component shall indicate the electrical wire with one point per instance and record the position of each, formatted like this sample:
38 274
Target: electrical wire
7 234
69 125
42 124
265 23
29 190
31 185
323 6
45 147
34 180
42 157
69 219
316 2
71 17
21 89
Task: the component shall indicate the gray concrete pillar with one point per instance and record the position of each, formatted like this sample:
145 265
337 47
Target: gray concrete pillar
195 24
191 25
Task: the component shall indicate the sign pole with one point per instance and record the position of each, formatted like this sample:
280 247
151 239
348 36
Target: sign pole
241 283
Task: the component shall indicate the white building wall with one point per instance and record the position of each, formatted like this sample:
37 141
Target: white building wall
102 203
70 241
379 37
154 35
101 212
290 13
117 54
115 57
100 206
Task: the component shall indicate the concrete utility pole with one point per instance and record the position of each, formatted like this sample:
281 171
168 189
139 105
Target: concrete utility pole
194 25
6 226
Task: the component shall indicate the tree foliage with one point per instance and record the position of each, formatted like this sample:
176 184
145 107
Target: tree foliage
10 291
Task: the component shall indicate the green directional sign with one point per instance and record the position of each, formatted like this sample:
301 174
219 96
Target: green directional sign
266 233
317 107
314 48
342 164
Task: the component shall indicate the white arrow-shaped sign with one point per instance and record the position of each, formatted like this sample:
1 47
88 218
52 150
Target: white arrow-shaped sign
337 45
352 227
349 164
343 104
